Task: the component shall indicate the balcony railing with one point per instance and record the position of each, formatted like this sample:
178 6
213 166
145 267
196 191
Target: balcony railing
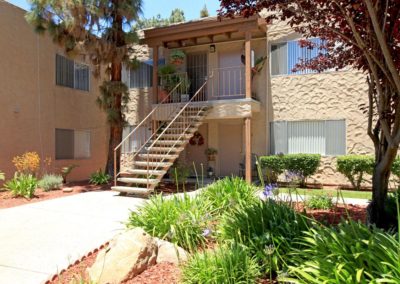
227 83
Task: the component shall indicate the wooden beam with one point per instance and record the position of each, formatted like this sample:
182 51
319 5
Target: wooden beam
155 74
248 165
211 38
228 35
248 64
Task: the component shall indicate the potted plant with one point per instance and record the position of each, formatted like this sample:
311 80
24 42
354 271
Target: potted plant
168 80
185 87
211 154
177 57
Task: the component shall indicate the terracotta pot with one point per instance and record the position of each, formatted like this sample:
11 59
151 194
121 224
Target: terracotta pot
162 95
177 62
211 157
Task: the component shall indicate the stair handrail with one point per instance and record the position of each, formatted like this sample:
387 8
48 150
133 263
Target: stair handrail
137 127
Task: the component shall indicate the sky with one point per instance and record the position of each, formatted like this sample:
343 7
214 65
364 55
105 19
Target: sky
163 7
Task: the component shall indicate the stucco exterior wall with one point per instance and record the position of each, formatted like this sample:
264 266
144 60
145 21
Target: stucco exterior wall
32 106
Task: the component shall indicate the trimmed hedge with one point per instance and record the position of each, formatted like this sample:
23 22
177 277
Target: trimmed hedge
303 164
274 166
354 167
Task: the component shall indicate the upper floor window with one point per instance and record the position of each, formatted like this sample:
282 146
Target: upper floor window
285 56
72 74
142 76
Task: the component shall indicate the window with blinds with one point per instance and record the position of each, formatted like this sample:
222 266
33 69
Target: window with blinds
285 56
141 77
72 144
325 137
72 74
134 142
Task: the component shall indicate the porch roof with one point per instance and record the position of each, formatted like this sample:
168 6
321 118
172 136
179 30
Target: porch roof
204 31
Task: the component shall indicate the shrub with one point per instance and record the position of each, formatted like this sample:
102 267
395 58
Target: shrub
50 182
391 209
66 171
27 163
226 194
266 228
319 202
350 253
274 166
303 164
99 178
23 185
230 265
354 167
180 220
396 168
180 172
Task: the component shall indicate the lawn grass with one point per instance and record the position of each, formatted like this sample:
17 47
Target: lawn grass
331 192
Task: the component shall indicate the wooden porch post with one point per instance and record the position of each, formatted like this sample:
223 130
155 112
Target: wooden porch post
155 74
247 120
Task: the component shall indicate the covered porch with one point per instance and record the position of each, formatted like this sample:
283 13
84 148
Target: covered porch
220 60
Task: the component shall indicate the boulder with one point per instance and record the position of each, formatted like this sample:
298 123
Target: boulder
129 254
168 252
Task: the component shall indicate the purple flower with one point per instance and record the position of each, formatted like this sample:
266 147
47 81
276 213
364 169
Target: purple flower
206 232
269 189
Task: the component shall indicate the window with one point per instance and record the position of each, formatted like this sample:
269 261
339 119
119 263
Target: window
285 56
142 76
134 142
71 74
325 137
72 144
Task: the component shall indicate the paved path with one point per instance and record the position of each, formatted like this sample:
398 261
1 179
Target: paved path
38 240
300 198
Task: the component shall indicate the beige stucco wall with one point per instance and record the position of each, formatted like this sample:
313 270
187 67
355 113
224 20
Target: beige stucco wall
32 106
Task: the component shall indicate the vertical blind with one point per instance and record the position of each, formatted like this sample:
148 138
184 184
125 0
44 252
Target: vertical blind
72 144
325 137
141 77
285 56
71 74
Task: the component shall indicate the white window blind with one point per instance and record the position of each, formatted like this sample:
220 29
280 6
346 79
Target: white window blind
135 141
325 137
72 144
141 77
72 74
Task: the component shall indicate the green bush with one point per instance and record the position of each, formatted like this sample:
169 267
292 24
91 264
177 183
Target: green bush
350 253
305 165
319 202
266 228
354 167
225 194
229 265
396 168
99 178
23 185
391 209
274 166
180 220
180 173
51 182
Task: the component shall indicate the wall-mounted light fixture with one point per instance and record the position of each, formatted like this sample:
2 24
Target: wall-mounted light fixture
212 48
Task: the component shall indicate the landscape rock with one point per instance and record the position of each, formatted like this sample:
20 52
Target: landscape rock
68 189
168 252
129 254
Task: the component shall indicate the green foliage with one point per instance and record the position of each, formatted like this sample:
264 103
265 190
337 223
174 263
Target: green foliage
267 228
304 164
354 167
50 182
99 178
274 166
180 220
177 55
23 185
177 16
204 12
350 253
229 265
180 173
391 209
319 202
226 194
396 168
66 171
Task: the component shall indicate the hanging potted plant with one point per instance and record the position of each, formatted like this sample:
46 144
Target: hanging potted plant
177 57
211 154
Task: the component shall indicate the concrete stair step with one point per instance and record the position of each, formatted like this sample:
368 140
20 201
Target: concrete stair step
132 190
165 149
138 180
159 156
169 142
143 172
160 165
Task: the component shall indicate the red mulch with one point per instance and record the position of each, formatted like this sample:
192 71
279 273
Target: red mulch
170 188
334 215
167 273
7 200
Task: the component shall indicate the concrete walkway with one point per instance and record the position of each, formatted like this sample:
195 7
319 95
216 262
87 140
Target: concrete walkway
301 198
38 240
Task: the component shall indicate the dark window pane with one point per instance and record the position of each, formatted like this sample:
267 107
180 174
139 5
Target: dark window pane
64 144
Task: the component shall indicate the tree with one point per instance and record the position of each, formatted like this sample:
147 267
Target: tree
177 16
204 12
101 31
363 34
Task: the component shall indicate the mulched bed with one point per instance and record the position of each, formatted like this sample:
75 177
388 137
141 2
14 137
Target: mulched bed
168 188
170 273
7 200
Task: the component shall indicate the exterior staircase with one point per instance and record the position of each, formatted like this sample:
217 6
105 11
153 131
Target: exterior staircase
172 125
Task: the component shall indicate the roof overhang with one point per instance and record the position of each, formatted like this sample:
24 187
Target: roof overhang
190 33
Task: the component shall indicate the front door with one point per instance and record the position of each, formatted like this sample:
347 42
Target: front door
230 148
197 69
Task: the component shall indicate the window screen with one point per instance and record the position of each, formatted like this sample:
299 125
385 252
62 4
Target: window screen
72 74
135 141
311 137
141 77
72 144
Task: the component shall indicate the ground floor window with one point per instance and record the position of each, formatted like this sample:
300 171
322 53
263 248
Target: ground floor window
325 137
134 142
72 144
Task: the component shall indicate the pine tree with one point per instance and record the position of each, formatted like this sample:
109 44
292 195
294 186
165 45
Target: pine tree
101 30
204 12
177 16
